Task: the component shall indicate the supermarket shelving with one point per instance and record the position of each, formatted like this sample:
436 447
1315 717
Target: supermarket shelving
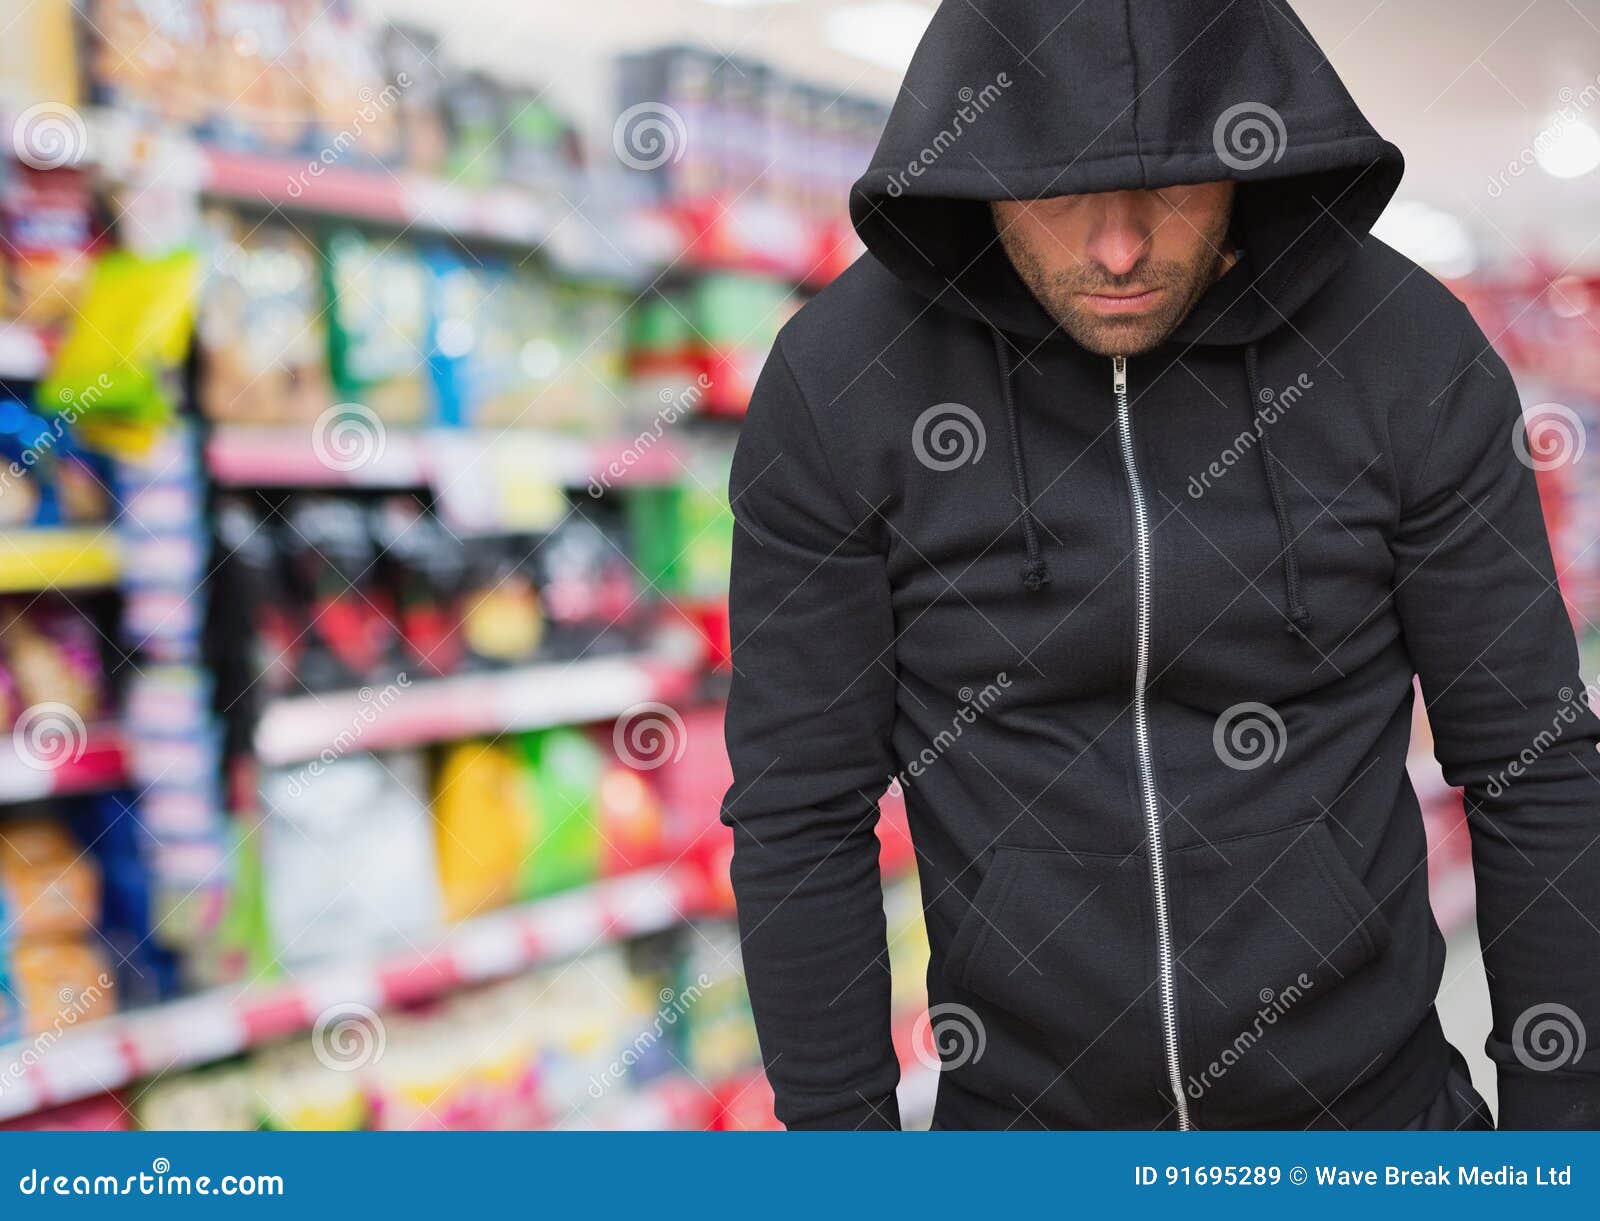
58 558
281 456
116 1051
538 696
99 764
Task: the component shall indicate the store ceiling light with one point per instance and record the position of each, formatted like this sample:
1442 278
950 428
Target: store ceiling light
885 32
1435 239
1568 147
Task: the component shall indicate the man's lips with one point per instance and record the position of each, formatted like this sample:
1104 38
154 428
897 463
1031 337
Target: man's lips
1122 303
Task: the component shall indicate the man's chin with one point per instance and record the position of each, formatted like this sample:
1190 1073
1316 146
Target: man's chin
1118 336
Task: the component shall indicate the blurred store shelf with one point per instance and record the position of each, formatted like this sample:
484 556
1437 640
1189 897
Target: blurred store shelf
247 456
445 709
57 558
63 765
91 1059
24 352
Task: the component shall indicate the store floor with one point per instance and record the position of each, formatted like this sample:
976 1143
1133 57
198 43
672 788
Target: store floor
1464 1006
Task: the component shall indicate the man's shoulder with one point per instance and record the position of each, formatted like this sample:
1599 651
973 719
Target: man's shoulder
864 317
1383 302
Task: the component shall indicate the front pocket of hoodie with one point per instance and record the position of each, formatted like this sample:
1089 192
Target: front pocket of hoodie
1280 953
1063 942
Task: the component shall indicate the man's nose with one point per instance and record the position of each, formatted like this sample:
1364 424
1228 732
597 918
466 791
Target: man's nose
1119 236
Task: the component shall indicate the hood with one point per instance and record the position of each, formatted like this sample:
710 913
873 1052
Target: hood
1027 99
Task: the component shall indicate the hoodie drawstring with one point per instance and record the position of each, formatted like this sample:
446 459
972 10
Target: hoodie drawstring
1299 615
1036 573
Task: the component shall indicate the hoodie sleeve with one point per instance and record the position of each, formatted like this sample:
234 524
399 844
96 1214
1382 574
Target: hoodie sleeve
1488 631
808 725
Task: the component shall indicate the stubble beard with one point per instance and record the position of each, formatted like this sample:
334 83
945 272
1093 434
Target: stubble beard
1059 292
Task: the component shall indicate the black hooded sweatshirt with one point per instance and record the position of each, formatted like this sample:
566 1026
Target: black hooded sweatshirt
1138 639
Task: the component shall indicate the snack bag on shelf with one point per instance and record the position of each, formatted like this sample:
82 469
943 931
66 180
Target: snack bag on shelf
46 224
155 60
502 348
49 480
585 389
329 551
378 326
502 613
52 886
251 587
718 1034
564 768
61 983
38 59
261 102
240 948
475 111
485 815
307 1085
263 337
539 145
425 570
354 108
589 586
215 1099
632 822
146 971
348 853
52 659
411 59
114 371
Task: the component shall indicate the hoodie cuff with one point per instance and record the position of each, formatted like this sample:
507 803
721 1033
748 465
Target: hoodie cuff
1549 1100
880 1114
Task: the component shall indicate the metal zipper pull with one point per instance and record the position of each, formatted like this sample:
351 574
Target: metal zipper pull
1119 374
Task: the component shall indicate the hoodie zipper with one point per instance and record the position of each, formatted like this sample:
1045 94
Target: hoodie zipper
1141 745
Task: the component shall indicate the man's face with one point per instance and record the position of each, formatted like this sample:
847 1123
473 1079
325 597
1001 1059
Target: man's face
1119 271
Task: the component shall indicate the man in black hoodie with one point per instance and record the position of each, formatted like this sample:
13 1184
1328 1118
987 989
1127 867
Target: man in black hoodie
1120 555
